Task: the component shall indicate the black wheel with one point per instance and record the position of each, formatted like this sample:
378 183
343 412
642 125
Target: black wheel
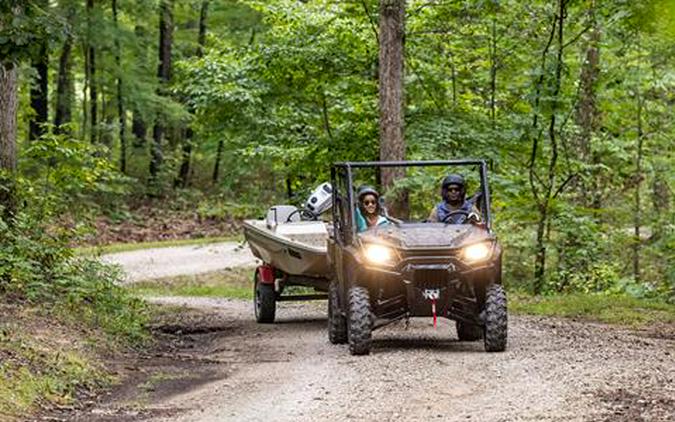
264 300
468 332
495 319
337 324
360 321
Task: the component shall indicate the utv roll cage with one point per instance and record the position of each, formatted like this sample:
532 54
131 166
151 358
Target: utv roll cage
344 211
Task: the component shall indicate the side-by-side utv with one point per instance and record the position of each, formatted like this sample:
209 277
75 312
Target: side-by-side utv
414 269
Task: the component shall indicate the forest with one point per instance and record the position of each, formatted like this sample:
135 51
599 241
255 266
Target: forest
115 111
238 104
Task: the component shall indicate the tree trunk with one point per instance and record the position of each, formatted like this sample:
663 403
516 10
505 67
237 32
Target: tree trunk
637 241
493 73
543 189
39 100
540 251
121 114
392 142
91 72
184 170
216 166
64 87
139 129
8 112
164 76
587 113
201 38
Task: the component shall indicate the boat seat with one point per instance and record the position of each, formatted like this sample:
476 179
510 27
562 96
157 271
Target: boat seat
280 214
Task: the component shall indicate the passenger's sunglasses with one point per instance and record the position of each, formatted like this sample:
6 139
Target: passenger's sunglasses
453 189
369 202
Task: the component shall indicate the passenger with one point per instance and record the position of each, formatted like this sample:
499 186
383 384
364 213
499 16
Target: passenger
454 209
369 210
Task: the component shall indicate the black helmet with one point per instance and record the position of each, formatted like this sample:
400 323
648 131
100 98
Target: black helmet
366 190
453 179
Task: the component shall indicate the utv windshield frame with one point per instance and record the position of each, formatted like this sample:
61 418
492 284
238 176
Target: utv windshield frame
344 206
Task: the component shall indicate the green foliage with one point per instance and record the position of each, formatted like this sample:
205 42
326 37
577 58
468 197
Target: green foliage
23 26
283 88
62 180
37 266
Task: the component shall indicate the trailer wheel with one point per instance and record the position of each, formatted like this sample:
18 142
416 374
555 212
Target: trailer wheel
360 321
264 301
337 324
495 331
468 332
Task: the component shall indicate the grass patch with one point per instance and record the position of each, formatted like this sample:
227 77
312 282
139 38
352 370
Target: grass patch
126 247
232 283
45 361
624 310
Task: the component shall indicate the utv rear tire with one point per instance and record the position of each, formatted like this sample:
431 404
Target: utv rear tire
468 332
264 301
337 323
360 321
495 331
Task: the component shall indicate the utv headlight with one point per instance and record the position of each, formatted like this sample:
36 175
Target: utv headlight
477 252
378 254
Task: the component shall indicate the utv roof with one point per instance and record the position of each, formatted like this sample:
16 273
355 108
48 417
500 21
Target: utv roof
361 164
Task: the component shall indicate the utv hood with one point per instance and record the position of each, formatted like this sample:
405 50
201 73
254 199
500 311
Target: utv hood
425 235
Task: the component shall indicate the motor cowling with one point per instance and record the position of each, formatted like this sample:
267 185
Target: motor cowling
320 201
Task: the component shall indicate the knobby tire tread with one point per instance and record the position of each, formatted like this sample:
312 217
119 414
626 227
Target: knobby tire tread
495 333
360 321
337 323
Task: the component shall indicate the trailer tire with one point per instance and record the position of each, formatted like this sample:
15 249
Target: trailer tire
468 332
360 321
495 331
264 301
337 323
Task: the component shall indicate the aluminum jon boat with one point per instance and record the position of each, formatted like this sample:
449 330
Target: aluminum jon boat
292 243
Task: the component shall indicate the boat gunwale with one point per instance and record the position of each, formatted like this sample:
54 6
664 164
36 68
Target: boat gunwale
282 239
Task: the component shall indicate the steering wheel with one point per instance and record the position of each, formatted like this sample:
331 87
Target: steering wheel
304 216
448 218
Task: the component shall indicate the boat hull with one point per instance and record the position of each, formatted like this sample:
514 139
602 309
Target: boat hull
286 247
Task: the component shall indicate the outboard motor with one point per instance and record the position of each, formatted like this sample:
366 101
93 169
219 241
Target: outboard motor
320 201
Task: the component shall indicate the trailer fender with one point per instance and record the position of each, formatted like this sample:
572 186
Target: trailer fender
266 274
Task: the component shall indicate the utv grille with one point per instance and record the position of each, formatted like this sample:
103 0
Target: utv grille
430 278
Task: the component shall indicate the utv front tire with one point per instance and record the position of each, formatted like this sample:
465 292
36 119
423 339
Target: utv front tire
360 321
468 332
264 301
495 331
337 323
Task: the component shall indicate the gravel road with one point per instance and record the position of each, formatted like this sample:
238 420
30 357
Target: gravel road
553 370
225 367
146 264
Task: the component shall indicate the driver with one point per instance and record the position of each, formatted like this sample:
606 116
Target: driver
369 210
453 191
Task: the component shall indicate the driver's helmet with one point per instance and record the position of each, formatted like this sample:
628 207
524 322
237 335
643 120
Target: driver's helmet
450 180
454 179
